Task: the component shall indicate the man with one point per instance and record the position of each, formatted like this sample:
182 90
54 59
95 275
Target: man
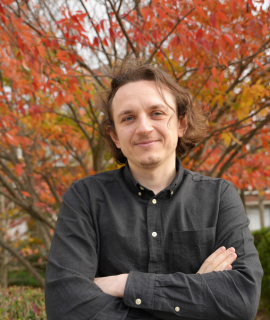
151 240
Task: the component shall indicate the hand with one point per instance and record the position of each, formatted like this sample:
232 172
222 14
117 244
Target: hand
113 285
220 260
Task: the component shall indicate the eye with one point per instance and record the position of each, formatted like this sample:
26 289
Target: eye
157 113
127 119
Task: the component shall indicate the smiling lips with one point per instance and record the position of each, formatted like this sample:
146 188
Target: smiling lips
146 143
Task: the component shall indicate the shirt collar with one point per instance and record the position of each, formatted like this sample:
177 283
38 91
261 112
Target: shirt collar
147 193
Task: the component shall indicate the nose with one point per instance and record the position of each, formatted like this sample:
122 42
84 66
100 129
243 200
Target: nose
144 125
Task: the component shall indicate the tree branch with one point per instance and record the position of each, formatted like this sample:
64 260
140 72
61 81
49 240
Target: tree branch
167 36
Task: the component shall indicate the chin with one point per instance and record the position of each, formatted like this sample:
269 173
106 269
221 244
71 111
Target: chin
150 162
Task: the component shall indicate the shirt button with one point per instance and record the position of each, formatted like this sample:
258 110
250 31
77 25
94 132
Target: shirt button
138 301
154 234
139 193
154 201
171 192
177 309
142 188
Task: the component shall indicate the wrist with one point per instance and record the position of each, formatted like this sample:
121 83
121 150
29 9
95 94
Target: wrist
121 281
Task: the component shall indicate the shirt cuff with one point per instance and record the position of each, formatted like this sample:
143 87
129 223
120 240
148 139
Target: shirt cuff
140 293
139 290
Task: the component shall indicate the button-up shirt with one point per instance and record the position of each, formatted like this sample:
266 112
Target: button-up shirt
110 224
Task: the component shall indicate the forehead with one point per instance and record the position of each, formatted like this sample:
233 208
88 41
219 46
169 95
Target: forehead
141 93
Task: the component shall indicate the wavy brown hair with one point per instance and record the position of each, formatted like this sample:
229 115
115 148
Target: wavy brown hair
132 70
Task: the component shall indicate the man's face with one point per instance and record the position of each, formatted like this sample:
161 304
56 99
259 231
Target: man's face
146 129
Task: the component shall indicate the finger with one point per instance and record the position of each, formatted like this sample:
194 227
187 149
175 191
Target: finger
232 257
212 265
211 258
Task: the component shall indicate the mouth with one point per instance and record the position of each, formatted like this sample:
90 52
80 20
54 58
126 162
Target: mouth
146 143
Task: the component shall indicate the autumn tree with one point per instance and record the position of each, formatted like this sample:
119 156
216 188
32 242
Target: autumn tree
56 56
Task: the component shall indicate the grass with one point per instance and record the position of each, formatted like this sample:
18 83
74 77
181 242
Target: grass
26 303
22 303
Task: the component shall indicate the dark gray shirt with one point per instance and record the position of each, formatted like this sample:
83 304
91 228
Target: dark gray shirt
109 224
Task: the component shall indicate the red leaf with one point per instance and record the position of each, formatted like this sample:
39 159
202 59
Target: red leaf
259 64
111 32
265 29
19 169
214 71
7 2
199 34
20 43
36 309
96 43
25 193
233 6
221 16
10 139
105 42
201 68
102 24
200 10
228 38
40 205
221 76
213 19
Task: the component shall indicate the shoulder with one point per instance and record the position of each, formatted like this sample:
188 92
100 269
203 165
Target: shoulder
200 180
94 185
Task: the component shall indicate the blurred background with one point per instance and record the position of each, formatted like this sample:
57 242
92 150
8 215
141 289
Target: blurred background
57 56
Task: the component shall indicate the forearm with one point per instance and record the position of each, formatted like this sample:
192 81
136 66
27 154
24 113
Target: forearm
222 295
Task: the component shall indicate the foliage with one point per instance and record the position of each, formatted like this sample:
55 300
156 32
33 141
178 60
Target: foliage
56 56
23 278
22 303
262 243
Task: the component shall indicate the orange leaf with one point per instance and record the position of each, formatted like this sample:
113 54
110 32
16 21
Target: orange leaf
259 64
214 71
228 38
201 68
199 34
233 6
19 169
221 76
25 193
200 10
221 16
265 29
12 140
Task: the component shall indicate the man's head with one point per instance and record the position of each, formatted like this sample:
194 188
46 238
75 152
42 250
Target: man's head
148 116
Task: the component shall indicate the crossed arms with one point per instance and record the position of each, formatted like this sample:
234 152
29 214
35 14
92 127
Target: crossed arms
220 260
72 292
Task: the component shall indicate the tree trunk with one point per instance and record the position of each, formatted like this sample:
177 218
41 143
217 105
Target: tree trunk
4 257
4 269
23 261
261 209
98 153
45 234
243 198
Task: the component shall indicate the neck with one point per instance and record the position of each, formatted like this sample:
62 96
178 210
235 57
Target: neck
156 178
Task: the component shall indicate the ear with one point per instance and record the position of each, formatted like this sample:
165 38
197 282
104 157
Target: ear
182 128
114 137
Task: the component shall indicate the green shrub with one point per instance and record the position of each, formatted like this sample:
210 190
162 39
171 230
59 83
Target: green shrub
22 303
262 243
23 278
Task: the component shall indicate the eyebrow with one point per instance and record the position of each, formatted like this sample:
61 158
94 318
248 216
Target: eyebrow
150 108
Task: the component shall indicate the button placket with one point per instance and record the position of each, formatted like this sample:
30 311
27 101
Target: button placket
154 229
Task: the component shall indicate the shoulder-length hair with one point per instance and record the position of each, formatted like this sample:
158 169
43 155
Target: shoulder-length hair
132 70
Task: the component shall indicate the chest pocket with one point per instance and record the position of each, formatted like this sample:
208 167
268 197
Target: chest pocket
191 248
